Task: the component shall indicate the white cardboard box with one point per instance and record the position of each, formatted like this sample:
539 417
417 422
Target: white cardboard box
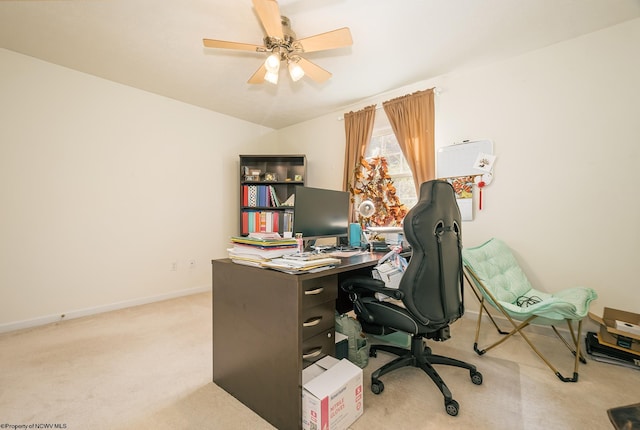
332 397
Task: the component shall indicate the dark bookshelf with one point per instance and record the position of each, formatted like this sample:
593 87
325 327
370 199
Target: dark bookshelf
266 183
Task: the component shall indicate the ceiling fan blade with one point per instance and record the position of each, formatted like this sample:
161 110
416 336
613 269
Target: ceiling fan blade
269 14
329 40
314 71
212 43
258 76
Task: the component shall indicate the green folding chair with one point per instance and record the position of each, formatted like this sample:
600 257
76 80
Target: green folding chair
497 280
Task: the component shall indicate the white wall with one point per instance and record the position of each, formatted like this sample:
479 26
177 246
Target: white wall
564 121
103 187
322 140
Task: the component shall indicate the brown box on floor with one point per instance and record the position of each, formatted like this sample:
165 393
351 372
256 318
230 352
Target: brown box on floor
618 329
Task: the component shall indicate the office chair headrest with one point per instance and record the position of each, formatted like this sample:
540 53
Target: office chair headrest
431 192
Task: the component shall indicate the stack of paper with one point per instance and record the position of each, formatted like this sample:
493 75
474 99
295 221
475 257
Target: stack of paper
301 266
258 248
305 256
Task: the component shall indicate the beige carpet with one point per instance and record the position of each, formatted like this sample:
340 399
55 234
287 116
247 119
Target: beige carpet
413 401
150 367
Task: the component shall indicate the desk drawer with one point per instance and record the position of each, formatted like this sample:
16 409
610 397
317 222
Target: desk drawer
319 290
318 346
318 319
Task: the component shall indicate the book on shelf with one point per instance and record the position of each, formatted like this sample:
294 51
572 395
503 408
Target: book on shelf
252 199
262 196
259 196
287 221
275 202
260 221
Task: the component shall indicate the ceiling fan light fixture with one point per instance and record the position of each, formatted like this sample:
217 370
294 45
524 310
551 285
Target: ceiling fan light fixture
295 71
281 44
272 63
271 77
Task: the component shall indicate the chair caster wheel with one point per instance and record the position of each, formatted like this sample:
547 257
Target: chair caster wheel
452 407
476 378
377 387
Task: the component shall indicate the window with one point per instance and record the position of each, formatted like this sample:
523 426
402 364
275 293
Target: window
384 143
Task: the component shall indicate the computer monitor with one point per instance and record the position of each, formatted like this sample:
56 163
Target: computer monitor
320 213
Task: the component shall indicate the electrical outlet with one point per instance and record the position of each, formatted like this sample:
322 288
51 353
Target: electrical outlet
192 264
174 266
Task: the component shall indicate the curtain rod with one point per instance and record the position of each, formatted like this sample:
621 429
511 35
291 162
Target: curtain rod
436 91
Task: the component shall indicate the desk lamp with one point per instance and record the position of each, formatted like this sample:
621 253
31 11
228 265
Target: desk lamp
366 209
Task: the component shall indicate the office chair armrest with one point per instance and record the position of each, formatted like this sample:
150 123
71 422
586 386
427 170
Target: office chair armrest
357 286
364 284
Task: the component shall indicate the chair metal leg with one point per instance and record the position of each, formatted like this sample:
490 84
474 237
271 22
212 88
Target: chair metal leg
575 347
483 306
517 328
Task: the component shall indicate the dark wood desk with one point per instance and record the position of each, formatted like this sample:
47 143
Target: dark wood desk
268 326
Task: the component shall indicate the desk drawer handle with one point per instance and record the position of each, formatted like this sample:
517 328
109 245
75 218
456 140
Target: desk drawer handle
313 354
312 322
314 292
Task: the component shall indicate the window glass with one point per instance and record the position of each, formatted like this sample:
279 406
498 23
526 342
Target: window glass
384 143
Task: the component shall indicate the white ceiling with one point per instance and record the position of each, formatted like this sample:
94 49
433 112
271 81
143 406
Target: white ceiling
157 45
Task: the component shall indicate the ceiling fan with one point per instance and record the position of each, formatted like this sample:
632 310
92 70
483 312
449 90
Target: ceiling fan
281 44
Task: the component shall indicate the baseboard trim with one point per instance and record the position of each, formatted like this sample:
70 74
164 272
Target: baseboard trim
39 321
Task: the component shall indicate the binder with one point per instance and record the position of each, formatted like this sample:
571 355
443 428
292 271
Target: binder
269 222
245 222
274 198
252 222
253 196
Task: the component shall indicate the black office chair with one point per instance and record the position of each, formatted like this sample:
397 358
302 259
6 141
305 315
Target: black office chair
430 291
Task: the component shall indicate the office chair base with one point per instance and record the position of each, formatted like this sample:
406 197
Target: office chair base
420 356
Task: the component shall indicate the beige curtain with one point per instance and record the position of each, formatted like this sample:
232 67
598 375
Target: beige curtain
412 121
358 128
